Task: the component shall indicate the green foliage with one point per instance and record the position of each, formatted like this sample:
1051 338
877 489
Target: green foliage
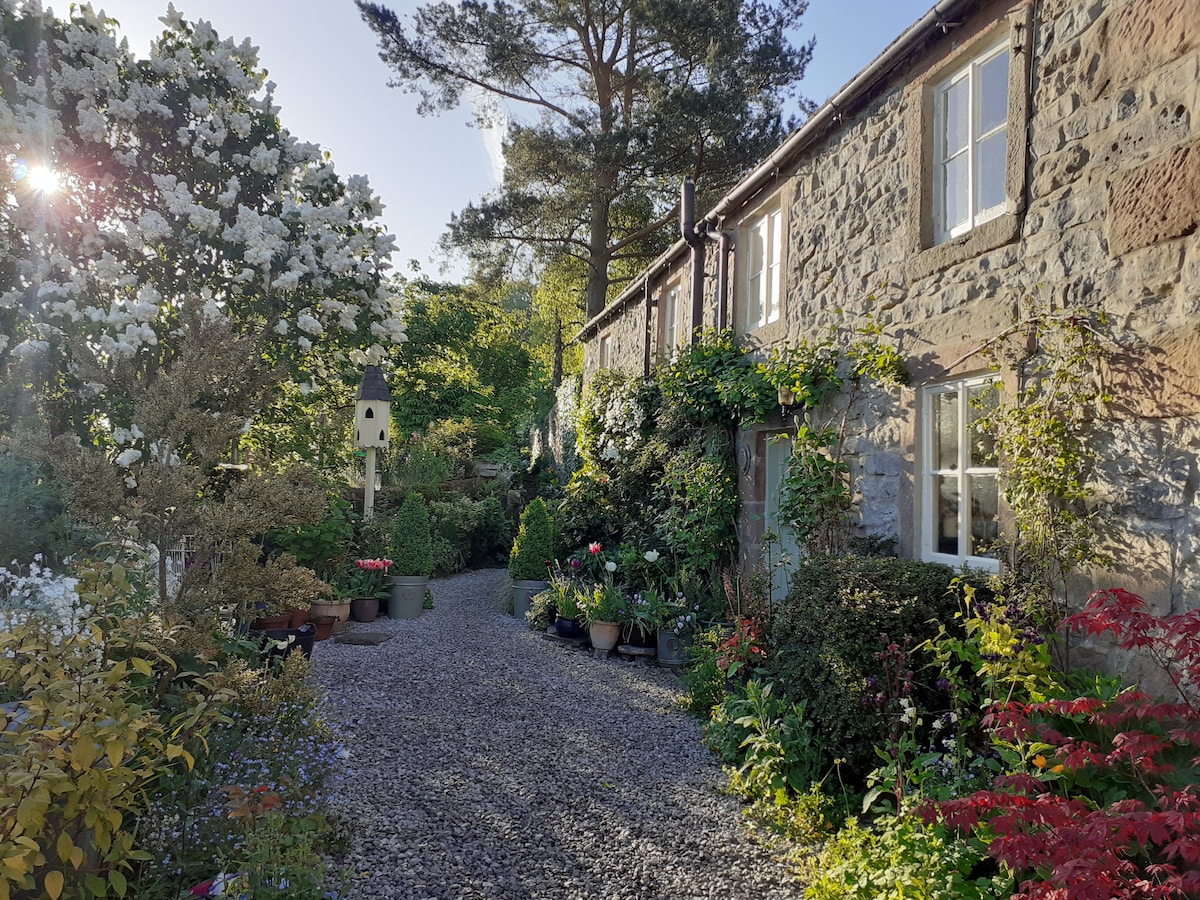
324 545
271 755
816 494
414 465
699 522
609 119
766 742
32 512
98 716
1042 430
412 543
716 384
900 857
703 679
466 363
468 532
603 603
826 637
535 544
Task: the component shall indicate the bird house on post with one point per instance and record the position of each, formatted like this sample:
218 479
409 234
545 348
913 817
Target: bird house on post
372 416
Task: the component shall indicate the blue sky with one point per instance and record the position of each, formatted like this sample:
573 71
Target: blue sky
333 91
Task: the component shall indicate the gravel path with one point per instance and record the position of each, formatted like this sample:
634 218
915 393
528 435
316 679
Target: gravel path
488 762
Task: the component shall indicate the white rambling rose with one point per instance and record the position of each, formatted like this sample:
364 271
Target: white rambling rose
128 457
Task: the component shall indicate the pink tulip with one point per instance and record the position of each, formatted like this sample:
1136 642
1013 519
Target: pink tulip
595 547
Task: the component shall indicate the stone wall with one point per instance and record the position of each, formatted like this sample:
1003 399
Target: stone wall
1105 214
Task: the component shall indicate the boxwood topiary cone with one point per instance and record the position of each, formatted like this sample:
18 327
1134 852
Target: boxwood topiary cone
534 545
412 544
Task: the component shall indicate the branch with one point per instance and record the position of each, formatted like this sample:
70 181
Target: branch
646 230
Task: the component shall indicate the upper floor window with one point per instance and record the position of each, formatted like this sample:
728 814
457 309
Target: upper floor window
669 322
970 144
959 475
760 255
604 360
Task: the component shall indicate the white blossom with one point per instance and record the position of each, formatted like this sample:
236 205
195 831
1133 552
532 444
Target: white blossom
127 458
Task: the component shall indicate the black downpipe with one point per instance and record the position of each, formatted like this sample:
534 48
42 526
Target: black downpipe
724 244
649 333
687 228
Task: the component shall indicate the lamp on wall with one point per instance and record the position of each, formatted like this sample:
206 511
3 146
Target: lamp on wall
787 401
372 416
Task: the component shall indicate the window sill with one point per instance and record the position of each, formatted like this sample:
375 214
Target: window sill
1004 229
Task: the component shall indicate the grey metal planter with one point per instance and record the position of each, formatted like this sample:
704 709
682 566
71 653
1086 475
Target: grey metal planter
408 596
672 647
523 592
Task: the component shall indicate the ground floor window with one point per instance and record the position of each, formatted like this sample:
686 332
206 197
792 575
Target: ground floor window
959 476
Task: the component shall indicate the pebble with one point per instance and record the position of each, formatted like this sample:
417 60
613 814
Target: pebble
488 762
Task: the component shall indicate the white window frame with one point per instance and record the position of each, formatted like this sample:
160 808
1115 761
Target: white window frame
928 520
604 352
762 279
669 315
975 216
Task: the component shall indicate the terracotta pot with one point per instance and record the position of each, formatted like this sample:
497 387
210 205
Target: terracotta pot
324 626
340 610
298 618
269 623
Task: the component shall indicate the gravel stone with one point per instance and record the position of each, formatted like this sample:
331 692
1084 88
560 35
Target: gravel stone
486 761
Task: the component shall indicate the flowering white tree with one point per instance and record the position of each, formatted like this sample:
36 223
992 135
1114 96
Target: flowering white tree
134 189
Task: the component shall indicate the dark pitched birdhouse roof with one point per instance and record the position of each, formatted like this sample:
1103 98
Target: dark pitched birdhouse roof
373 387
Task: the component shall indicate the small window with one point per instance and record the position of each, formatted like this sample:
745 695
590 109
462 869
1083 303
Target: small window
759 257
970 144
669 318
605 354
959 476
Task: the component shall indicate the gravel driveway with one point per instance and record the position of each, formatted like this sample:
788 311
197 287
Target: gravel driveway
487 761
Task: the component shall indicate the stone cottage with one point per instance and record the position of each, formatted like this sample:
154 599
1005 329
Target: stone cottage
992 154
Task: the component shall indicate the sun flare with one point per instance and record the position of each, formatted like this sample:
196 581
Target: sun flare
44 179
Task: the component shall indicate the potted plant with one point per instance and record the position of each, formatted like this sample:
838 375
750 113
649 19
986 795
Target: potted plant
602 610
531 554
676 625
569 622
366 587
412 553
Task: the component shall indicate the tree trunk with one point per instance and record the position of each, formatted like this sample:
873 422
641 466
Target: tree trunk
556 373
598 254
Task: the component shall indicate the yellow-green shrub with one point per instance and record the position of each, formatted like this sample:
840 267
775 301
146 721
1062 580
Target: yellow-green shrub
85 727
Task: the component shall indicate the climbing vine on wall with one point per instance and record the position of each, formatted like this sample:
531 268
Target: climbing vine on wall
825 379
1042 427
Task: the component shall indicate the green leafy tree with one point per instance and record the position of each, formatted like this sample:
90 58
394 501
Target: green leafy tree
625 98
467 359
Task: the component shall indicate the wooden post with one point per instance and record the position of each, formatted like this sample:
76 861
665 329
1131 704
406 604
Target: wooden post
369 486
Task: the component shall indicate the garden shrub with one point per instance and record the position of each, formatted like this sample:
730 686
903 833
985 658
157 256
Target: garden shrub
766 744
322 546
412 542
535 544
256 797
703 679
825 641
98 716
902 857
1111 773
468 532
32 513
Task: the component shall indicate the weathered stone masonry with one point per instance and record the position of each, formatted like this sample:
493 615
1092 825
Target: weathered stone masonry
1103 210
